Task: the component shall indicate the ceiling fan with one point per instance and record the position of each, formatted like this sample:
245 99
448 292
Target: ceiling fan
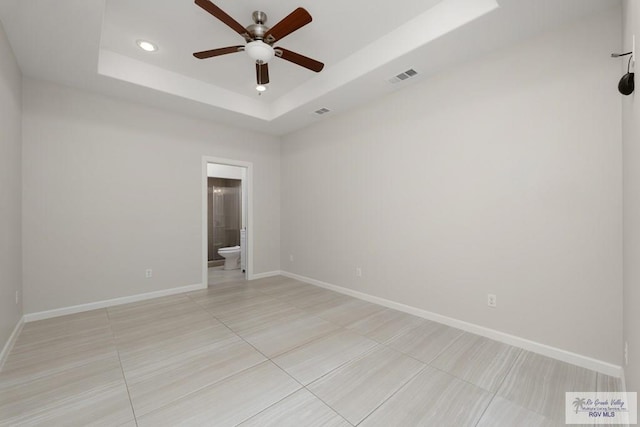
260 40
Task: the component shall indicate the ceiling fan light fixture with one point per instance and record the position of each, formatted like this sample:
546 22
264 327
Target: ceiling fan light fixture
147 46
259 51
260 40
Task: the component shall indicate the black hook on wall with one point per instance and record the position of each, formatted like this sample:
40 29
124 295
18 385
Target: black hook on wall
626 85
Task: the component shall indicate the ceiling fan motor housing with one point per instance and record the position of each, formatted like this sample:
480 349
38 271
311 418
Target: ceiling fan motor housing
258 29
260 39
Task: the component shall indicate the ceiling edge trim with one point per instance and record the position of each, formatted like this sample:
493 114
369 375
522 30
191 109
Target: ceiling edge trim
439 20
121 67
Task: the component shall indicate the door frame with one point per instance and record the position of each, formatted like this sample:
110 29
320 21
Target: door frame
205 226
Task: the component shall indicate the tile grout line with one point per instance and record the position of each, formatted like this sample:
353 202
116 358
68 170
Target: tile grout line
445 348
340 327
431 361
210 384
204 386
520 354
292 306
384 343
289 375
124 377
372 339
268 359
281 297
263 410
355 359
359 357
429 364
329 406
459 379
394 393
362 355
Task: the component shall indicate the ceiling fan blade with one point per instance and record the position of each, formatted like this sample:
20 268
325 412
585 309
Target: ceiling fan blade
292 22
298 59
217 52
222 16
262 73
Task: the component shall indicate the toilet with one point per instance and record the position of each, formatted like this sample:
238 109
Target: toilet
231 257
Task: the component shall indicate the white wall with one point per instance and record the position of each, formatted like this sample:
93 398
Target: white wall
501 176
112 188
631 147
10 190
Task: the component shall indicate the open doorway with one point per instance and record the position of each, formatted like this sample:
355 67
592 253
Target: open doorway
227 218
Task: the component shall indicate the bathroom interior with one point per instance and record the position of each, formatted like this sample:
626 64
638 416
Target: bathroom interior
226 232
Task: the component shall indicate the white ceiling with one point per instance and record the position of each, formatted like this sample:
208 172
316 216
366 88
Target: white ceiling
193 29
91 44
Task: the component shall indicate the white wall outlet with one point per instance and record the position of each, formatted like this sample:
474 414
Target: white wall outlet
492 300
17 297
626 353
358 272
291 258
148 273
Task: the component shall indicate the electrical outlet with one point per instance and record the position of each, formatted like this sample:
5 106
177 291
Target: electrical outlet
492 300
17 297
626 353
148 273
358 272
290 258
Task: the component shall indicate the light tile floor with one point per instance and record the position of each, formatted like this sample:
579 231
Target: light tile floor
275 352
218 275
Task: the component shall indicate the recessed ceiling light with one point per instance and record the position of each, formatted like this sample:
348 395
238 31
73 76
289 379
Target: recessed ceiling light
261 88
146 46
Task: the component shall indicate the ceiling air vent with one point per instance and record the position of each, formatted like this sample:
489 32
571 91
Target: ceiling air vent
321 111
403 76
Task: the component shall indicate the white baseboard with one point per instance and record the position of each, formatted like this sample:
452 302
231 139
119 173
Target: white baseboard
535 347
264 275
31 317
10 342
